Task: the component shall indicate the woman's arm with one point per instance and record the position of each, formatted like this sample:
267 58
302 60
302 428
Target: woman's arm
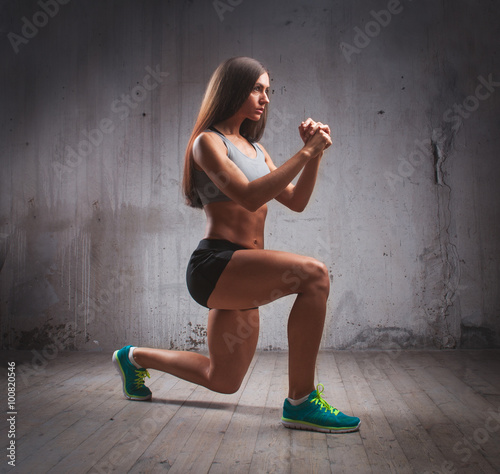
210 154
296 197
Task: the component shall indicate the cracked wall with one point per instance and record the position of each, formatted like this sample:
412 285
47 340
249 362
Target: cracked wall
96 110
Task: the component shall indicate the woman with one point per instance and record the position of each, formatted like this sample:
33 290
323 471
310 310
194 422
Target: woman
232 177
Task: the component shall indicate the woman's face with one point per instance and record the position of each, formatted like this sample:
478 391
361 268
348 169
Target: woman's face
253 107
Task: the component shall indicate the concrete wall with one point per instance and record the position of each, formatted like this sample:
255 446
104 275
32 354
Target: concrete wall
98 99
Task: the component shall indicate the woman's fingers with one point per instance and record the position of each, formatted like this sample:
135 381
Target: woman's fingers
326 129
326 137
309 127
319 141
323 138
307 123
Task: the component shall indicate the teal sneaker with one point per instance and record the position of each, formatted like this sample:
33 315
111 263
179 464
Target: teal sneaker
132 377
315 414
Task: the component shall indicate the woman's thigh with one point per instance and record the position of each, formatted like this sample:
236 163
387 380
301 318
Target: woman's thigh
253 278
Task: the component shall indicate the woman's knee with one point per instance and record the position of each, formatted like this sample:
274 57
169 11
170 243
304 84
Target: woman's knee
316 276
227 385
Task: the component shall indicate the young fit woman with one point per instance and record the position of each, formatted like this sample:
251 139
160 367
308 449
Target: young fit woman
232 177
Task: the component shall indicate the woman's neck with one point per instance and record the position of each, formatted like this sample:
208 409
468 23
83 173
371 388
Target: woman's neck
230 126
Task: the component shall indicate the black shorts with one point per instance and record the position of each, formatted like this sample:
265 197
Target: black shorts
206 265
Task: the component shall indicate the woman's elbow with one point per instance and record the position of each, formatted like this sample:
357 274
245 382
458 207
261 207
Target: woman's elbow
298 207
252 206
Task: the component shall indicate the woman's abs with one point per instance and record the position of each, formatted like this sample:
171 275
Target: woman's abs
230 221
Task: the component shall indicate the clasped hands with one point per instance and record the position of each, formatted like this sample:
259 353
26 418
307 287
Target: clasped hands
315 134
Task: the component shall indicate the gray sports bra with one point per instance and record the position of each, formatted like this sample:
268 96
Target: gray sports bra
252 168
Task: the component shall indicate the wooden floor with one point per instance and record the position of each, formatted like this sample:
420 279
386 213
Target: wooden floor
421 412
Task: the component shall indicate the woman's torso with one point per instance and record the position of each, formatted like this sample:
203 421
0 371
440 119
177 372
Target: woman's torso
230 221
225 218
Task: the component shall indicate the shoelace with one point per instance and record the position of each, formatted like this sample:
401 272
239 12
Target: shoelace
318 399
140 375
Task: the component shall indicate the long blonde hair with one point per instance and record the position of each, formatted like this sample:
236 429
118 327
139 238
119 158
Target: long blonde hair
229 87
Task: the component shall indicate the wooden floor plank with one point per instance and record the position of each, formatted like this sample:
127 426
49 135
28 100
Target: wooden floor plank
483 380
193 405
123 435
97 419
189 403
493 399
421 411
198 453
453 392
41 375
485 362
345 450
47 388
237 447
43 408
382 448
160 418
273 448
309 451
42 423
418 446
441 429
465 410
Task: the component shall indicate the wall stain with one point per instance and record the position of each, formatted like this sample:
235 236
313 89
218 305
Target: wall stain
198 337
473 337
61 335
384 338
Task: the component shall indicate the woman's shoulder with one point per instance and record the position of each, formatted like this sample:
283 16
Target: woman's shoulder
207 142
207 137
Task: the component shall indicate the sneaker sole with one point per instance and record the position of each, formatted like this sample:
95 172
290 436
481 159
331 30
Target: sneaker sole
116 363
303 425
